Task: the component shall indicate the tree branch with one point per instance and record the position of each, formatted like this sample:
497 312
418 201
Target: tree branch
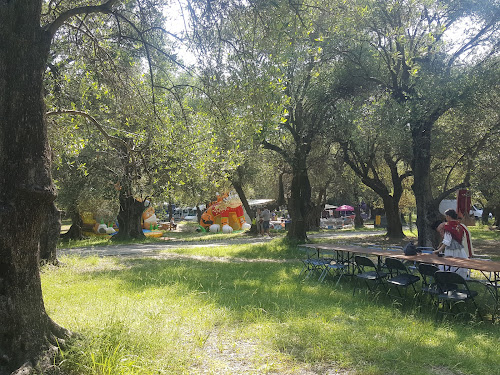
471 43
59 21
110 138
444 194
279 150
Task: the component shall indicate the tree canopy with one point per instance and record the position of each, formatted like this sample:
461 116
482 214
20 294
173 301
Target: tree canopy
96 102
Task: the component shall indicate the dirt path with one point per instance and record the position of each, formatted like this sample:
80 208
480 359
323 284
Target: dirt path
154 249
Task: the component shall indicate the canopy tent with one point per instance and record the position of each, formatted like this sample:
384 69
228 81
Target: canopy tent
345 207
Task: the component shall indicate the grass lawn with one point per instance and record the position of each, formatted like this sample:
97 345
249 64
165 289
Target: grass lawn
244 309
186 233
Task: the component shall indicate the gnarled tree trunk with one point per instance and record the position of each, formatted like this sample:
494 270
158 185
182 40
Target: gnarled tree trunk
129 218
51 229
299 203
427 210
394 226
27 334
358 220
75 232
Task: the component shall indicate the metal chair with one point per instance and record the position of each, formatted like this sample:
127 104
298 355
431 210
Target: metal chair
461 293
396 249
399 276
363 264
312 263
429 285
412 266
335 265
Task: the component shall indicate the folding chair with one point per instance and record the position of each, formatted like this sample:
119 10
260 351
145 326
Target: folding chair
362 263
412 266
461 293
334 266
400 276
429 285
312 262
395 249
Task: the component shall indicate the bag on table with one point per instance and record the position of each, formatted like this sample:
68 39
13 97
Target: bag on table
410 249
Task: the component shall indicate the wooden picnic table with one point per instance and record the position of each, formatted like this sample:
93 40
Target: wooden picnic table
489 269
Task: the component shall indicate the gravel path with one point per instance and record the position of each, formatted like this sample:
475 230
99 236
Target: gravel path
153 249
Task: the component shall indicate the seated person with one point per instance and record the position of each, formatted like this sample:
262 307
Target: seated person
172 224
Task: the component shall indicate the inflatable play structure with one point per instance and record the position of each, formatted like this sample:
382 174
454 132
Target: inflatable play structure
91 226
150 222
225 214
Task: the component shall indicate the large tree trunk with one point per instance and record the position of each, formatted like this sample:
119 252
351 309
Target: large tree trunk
314 217
299 203
281 191
26 189
51 229
496 213
421 165
75 232
394 226
129 219
358 220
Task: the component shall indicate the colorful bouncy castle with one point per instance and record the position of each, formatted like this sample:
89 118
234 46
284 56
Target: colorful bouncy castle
150 222
226 214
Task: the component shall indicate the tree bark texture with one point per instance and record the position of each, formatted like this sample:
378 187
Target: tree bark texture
26 189
49 237
129 218
370 178
75 232
314 217
394 226
281 191
427 210
358 220
299 203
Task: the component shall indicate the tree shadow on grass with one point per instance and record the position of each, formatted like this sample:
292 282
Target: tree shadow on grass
318 322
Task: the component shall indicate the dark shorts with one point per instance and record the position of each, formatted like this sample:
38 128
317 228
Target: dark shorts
265 225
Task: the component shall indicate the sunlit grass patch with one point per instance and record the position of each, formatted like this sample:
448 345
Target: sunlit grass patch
184 316
484 232
103 240
279 248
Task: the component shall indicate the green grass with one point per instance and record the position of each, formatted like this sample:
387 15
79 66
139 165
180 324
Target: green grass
188 234
101 240
478 232
484 232
230 316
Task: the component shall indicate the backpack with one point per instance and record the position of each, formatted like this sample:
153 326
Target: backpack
410 249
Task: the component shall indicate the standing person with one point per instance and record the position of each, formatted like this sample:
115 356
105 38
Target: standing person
266 218
258 221
452 240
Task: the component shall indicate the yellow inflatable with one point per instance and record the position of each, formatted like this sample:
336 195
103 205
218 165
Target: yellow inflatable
225 214
149 218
